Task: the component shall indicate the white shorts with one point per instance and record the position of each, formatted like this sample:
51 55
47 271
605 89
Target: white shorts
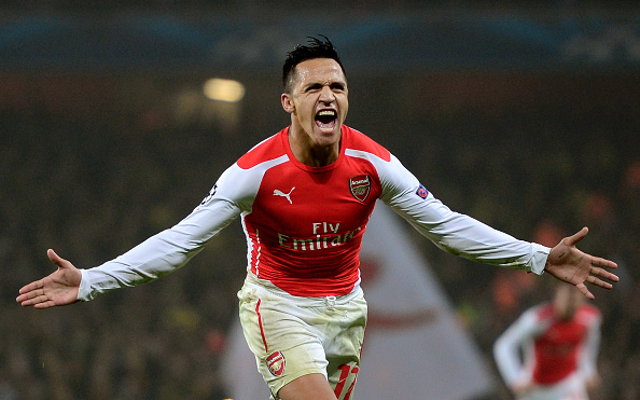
292 336
570 388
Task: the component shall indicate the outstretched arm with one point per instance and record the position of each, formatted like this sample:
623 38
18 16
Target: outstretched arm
58 289
567 263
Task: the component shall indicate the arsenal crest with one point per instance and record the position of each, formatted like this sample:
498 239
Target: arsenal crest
360 187
276 363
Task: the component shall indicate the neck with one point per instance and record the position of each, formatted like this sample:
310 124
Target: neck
312 154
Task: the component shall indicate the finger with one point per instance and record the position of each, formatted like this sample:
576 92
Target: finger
601 262
56 259
603 273
34 300
599 282
46 304
24 299
32 286
28 296
583 289
31 294
578 236
39 303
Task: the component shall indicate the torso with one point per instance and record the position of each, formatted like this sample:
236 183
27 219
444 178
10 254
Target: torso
305 226
557 348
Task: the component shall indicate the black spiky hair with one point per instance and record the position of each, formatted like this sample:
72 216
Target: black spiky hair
316 47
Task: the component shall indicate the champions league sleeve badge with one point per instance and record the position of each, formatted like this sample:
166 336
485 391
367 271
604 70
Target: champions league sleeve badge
422 191
210 195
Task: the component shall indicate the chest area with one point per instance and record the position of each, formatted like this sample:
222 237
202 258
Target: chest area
562 337
311 203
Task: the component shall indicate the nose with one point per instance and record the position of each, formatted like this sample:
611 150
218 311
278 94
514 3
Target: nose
326 95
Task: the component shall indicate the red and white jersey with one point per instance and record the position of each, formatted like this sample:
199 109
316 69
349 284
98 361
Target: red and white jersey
304 225
553 349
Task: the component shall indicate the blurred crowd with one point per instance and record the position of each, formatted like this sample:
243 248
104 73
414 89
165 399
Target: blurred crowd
92 184
244 6
90 191
541 166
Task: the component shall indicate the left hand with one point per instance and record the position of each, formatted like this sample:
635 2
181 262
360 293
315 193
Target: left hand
567 263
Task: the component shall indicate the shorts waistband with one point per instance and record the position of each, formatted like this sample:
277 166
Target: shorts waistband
253 283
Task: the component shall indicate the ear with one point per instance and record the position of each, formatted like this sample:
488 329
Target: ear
287 103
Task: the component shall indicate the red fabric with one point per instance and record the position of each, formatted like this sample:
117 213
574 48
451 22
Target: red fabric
306 225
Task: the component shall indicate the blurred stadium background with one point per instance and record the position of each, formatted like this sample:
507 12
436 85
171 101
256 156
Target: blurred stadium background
526 117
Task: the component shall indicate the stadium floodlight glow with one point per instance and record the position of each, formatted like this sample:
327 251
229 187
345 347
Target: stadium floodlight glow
226 90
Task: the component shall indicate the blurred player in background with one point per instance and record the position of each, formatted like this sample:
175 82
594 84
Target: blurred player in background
305 196
550 351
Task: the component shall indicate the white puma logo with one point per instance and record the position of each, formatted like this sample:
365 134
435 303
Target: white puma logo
282 194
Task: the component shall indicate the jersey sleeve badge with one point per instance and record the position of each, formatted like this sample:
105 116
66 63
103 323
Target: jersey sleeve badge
210 195
422 191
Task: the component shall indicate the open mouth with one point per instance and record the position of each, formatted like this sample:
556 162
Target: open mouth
326 119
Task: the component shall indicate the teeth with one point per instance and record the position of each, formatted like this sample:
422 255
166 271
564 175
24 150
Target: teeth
326 113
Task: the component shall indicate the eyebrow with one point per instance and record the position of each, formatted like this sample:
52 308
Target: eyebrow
313 85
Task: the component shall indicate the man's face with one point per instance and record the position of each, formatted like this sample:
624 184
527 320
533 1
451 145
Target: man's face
318 101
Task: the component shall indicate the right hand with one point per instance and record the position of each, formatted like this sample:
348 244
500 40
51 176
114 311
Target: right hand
521 387
58 289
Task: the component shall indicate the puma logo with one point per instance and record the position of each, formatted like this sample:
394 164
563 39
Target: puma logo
282 194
